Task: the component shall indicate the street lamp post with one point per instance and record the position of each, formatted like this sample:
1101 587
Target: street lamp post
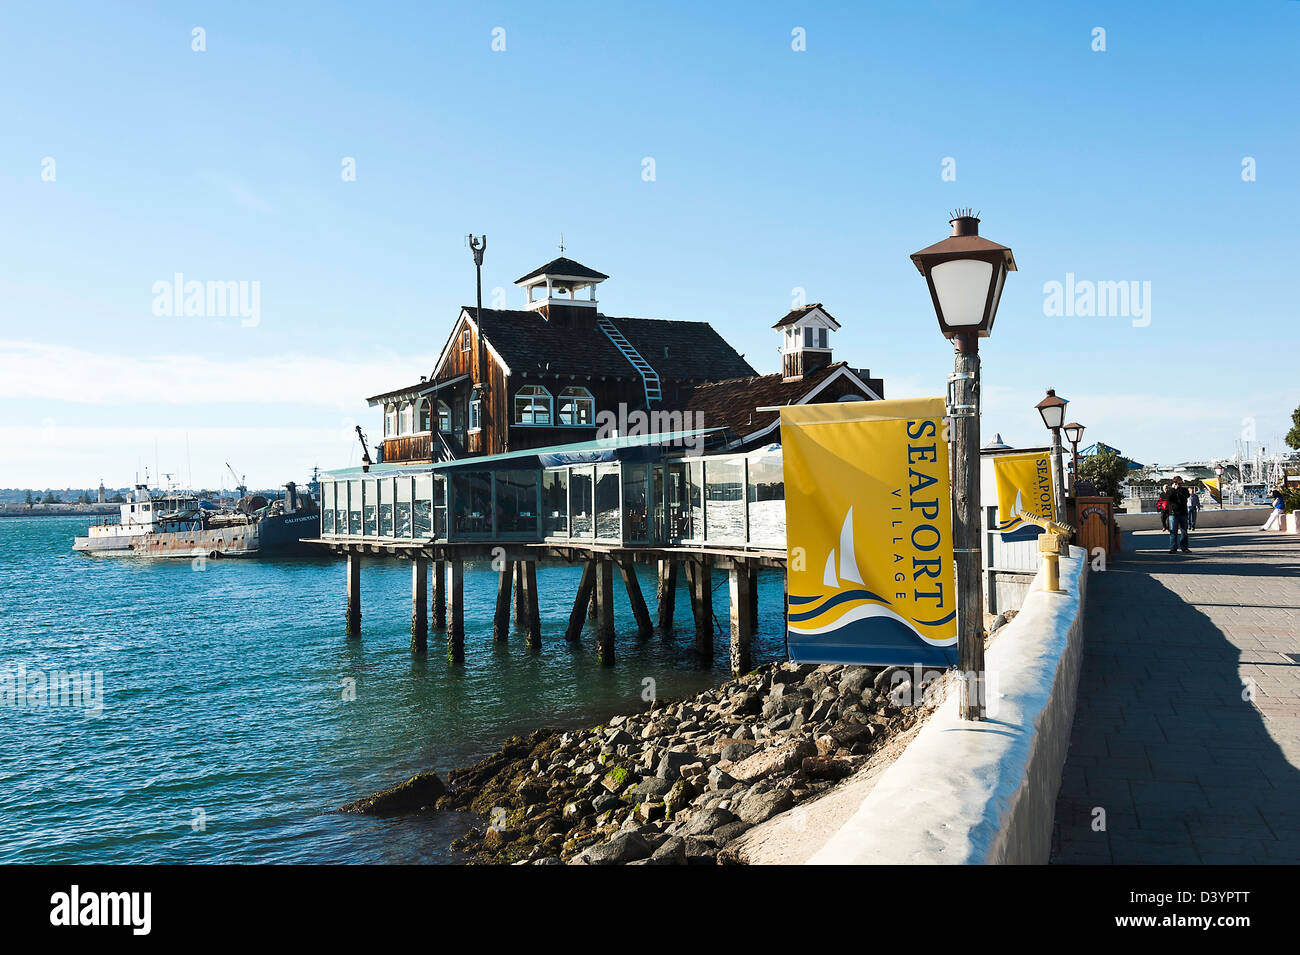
1052 410
1218 470
1074 432
965 273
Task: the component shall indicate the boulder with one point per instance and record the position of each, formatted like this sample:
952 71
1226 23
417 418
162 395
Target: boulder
670 766
622 849
416 793
672 852
782 758
760 807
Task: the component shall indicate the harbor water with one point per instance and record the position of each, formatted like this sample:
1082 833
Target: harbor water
236 716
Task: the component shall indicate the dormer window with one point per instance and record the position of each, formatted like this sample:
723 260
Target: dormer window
576 407
533 405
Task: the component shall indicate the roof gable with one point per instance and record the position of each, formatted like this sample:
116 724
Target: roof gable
806 314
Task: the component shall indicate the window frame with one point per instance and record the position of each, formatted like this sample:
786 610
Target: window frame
577 396
532 394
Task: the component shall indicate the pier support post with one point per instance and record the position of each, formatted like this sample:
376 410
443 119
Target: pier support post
605 611
640 611
354 595
456 625
532 618
582 602
702 604
420 604
753 593
440 595
667 593
501 621
742 618
521 602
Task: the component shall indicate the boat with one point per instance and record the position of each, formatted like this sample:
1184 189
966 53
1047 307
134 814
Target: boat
181 524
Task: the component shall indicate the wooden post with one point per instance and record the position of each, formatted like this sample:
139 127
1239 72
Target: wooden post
456 625
440 595
605 611
640 611
420 604
532 618
501 621
702 603
354 595
966 525
667 593
742 618
521 599
581 602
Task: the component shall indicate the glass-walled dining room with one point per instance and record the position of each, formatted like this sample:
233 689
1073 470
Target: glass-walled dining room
732 500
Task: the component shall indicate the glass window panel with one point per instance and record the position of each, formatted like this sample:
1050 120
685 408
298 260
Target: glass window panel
402 510
555 503
354 508
516 502
327 509
386 507
636 518
725 492
370 509
695 498
608 524
422 508
580 501
677 510
767 500
471 493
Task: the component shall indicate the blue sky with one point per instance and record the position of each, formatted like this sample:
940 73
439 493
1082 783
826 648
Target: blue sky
775 170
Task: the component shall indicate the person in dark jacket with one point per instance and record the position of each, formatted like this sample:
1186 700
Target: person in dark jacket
1176 508
1162 506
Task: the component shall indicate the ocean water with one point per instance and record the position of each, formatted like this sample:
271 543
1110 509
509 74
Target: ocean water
226 734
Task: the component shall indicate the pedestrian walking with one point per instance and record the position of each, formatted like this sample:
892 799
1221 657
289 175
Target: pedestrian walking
1176 508
1193 508
1162 506
1276 517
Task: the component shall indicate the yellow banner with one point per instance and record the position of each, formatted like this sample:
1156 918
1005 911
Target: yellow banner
1212 484
869 533
1024 483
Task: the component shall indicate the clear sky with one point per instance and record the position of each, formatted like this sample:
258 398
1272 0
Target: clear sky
126 157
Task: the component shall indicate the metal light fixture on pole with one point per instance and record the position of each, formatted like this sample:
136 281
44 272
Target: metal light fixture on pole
1052 410
965 274
1073 433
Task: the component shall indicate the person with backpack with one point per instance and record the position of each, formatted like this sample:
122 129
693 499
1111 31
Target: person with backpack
1276 517
1176 508
1162 506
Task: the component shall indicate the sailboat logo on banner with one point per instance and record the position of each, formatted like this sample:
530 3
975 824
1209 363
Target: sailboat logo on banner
844 615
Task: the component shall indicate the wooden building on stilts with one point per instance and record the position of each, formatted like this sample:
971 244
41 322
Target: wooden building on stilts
556 432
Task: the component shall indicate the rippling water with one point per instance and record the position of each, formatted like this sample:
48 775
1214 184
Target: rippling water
225 735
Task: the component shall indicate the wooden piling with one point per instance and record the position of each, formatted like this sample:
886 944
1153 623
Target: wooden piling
501 621
742 618
353 627
420 604
521 597
753 593
532 618
456 624
440 595
604 611
702 604
582 602
667 593
627 570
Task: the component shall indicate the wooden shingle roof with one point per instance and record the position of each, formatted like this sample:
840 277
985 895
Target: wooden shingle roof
732 404
795 314
684 350
565 267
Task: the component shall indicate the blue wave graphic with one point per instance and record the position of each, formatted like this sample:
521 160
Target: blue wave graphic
874 641
835 601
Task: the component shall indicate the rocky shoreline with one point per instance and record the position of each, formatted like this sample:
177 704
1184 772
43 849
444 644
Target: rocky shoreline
675 784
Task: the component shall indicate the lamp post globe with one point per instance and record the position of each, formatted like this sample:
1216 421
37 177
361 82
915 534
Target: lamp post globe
965 273
1073 432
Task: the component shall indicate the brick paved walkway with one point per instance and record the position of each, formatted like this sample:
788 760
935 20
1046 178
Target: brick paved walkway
1185 769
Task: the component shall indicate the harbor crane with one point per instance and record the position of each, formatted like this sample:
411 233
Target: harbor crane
239 481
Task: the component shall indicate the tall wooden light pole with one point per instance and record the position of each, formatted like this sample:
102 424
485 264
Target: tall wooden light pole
965 274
